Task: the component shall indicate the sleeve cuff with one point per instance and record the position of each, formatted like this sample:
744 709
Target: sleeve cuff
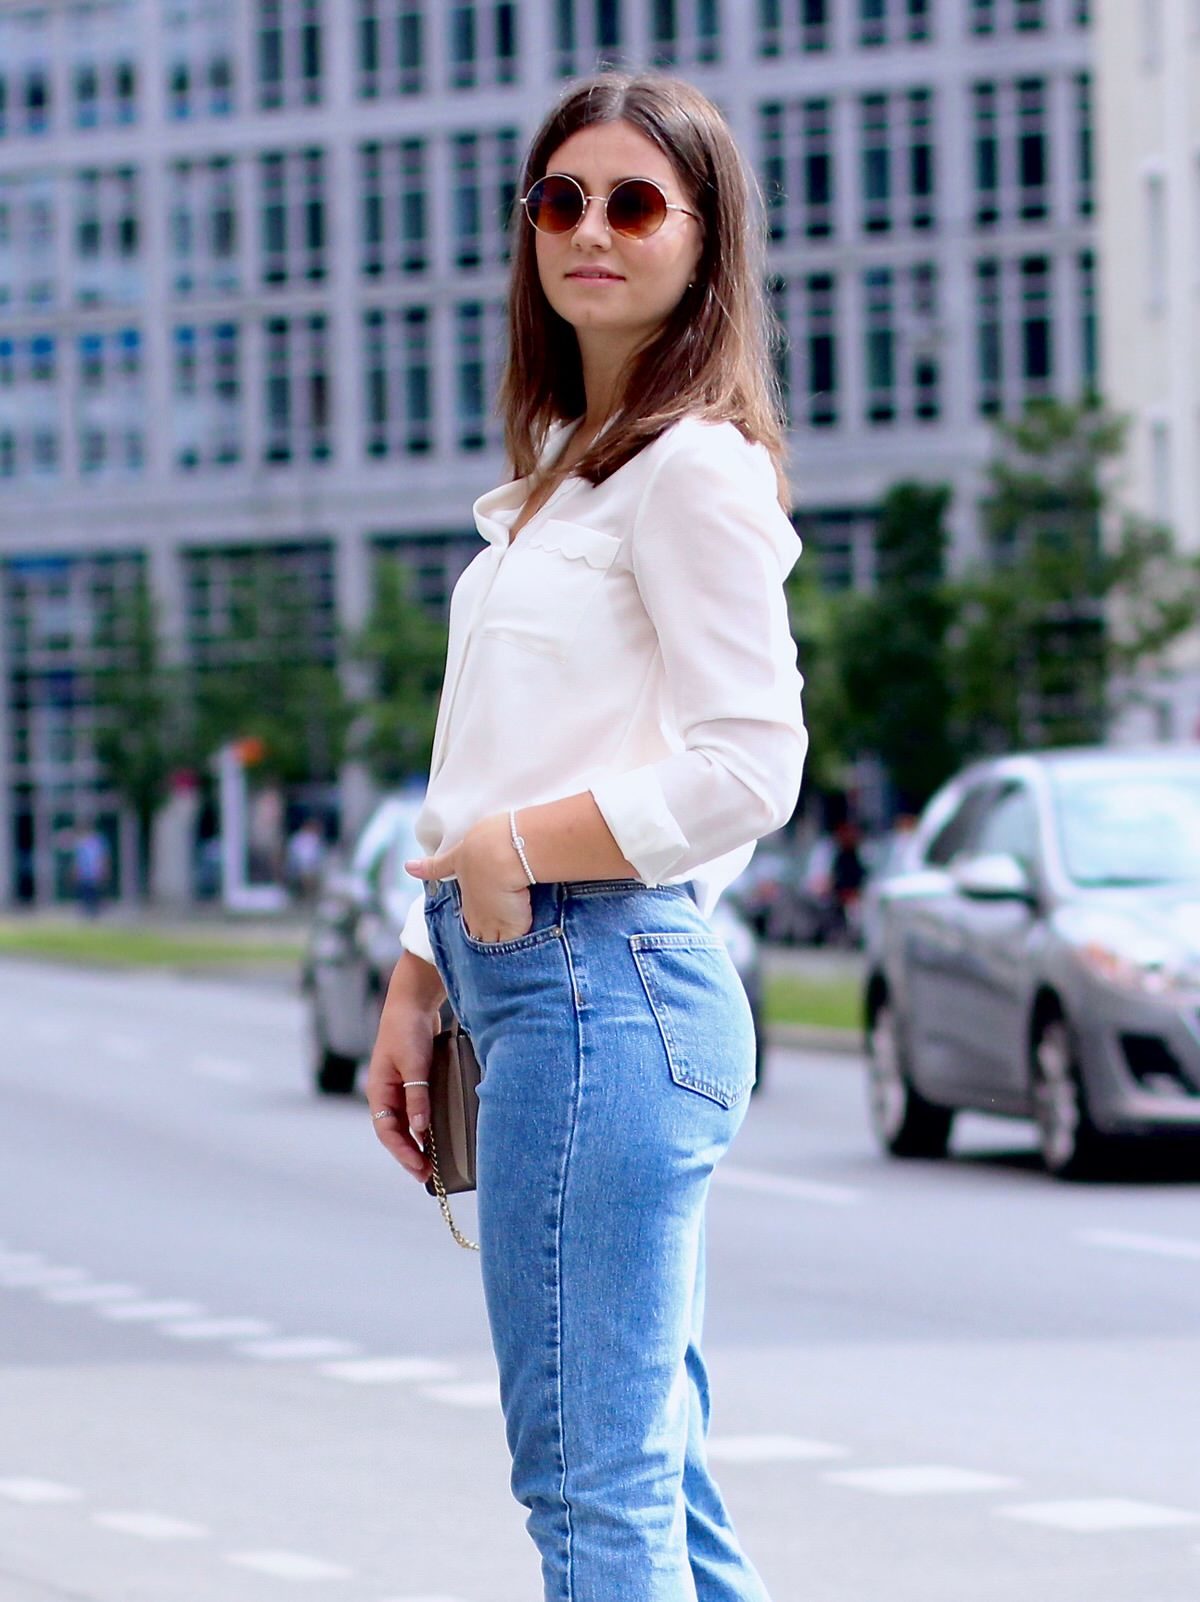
643 825
414 936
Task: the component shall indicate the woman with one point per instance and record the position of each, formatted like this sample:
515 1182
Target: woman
619 723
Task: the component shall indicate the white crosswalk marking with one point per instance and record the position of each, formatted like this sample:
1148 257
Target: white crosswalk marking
1100 1514
32 1491
770 1449
920 1479
35 1276
1122 1240
218 1329
131 1312
811 1190
90 1292
150 1526
467 1393
298 1348
290 1566
388 1370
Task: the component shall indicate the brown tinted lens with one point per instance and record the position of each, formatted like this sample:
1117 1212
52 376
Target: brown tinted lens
554 205
636 208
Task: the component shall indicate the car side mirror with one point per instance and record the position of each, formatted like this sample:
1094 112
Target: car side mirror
994 877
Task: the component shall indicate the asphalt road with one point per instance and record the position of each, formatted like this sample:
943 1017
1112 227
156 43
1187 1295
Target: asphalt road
240 1358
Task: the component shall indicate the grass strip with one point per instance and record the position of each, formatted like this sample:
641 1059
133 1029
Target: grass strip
821 1003
139 948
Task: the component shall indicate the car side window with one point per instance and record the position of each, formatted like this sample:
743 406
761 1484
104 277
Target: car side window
1009 826
956 833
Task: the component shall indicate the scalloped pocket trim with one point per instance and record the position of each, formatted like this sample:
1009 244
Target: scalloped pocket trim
595 547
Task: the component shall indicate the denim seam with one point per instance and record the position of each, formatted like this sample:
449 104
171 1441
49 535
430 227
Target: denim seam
558 1238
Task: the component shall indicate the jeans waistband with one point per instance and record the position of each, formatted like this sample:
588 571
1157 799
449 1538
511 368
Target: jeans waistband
569 889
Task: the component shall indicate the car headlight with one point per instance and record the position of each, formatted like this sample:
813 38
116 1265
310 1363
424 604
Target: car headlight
1146 973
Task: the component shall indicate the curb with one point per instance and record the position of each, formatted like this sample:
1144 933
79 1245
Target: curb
812 1037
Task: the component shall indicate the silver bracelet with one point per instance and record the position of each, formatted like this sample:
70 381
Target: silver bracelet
519 842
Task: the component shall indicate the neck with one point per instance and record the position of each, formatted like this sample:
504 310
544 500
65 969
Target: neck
603 362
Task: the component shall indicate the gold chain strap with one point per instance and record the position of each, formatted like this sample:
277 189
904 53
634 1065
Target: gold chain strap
443 1202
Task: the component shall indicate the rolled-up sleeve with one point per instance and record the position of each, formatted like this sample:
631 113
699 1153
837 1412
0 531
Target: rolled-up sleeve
710 550
414 936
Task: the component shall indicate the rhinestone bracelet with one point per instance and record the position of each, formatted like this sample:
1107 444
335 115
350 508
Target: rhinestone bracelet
519 841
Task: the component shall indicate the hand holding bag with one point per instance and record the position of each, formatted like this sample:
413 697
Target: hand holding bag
454 1075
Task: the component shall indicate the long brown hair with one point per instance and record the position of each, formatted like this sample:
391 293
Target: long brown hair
711 358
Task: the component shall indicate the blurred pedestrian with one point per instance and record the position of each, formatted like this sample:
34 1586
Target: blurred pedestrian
847 873
90 863
624 726
304 859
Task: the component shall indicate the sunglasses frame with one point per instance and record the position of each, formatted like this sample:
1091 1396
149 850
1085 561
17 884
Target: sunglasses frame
587 199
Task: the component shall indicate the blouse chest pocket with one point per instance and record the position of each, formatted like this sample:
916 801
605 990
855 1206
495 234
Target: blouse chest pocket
548 579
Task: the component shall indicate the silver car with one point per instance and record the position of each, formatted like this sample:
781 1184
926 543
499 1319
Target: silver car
1040 957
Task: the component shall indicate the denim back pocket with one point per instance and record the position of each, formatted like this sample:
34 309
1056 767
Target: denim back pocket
702 1011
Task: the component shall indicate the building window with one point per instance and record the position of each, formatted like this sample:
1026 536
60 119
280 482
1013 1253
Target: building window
111 403
206 401
880 22
289 53
1084 147
876 164
985 116
989 333
1033 157
434 563
29 428
484 168
686 34
103 42
296 396
28 276
879 322
202 234
394 223
292 213
919 21
1089 333
922 337
902 368
921 148
1156 241
479 329
798 174
25 71
199 56
483 43
587 34
399 376
872 22
842 540
1161 474
1029 16
391 48
794 27
107 237
807 309
1037 326
225 586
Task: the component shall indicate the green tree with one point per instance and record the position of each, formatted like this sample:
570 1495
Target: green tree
402 650
1055 611
137 701
267 675
891 647
815 615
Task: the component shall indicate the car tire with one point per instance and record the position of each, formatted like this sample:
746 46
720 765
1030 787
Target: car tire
1071 1145
904 1123
332 1074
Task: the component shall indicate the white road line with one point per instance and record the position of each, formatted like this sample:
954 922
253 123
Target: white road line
1120 1240
150 1526
770 1449
810 1190
920 1479
298 1348
111 1292
218 1329
290 1566
423 1598
31 1491
388 1370
34 1278
122 1311
225 1069
468 1393
1099 1515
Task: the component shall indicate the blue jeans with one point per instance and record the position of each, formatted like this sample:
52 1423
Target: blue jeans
617 1049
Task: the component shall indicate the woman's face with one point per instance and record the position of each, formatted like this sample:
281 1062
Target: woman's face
605 285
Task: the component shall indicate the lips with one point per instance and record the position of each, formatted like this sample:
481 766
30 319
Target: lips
593 272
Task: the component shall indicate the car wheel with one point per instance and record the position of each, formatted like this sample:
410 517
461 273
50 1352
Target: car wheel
332 1074
905 1124
1071 1145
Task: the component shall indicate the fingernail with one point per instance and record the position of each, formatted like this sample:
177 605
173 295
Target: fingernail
419 1122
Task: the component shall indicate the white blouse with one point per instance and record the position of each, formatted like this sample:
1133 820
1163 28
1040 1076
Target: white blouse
633 640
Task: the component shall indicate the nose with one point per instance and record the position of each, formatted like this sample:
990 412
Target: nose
593 225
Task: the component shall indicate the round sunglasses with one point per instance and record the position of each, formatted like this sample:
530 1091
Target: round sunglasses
637 207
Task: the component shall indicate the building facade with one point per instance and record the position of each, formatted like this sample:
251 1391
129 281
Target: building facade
253 257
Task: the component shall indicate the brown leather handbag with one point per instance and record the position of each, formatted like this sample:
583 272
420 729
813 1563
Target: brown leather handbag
454 1075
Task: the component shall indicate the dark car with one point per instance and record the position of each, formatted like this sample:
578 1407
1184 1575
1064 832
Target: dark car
1040 957
354 942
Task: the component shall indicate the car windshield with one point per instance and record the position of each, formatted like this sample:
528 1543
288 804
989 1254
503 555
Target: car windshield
1138 826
